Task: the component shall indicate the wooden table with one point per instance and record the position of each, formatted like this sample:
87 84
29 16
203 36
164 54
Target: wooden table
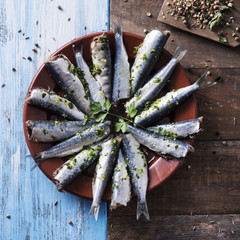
201 201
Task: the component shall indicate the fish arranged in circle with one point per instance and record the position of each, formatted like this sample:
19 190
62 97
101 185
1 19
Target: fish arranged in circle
87 138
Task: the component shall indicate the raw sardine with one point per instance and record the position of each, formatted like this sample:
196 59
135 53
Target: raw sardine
137 165
50 101
147 57
102 63
178 129
161 144
152 88
54 131
75 166
71 81
76 143
121 77
163 106
95 89
103 172
121 188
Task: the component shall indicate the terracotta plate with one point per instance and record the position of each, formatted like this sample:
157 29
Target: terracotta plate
159 168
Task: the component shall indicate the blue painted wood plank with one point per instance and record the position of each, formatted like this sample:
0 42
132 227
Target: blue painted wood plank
28 196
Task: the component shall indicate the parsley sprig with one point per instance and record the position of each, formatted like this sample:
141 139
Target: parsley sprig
101 113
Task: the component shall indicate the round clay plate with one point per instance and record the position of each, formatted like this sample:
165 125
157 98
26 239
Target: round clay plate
159 168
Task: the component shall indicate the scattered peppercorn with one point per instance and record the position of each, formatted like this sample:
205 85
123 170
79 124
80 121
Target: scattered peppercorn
54 39
70 222
19 30
149 14
8 216
59 7
69 19
34 50
145 31
40 35
14 69
37 22
3 85
27 38
36 45
85 27
29 58
218 78
55 203
24 58
202 14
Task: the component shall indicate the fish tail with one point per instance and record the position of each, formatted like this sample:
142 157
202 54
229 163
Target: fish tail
117 28
94 211
202 83
142 209
79 47
179 54
37 158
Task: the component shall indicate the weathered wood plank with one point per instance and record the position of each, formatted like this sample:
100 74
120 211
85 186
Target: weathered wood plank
207 183
219 105
202 51
176 227
29 196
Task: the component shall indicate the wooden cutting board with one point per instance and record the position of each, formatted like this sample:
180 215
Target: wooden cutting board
207 33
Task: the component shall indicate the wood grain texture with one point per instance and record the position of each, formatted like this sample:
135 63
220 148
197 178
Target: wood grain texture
219 105
208 181
28 196
203 52
178 227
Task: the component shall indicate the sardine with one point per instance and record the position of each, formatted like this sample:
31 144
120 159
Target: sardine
102 63
76 143
137 165
71 80
54 131
161 144
50 101
178 129
152 88
163 106
103 172
95 89
75 166
147 57
121 78
121 188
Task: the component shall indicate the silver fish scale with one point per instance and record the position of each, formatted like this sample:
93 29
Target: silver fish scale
154 86
52 101
160 144
101 58
180 129
96 93
103 172
75 144
121 188
121 77
75 166
163 106
137 164
52 131
146 58
68 82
